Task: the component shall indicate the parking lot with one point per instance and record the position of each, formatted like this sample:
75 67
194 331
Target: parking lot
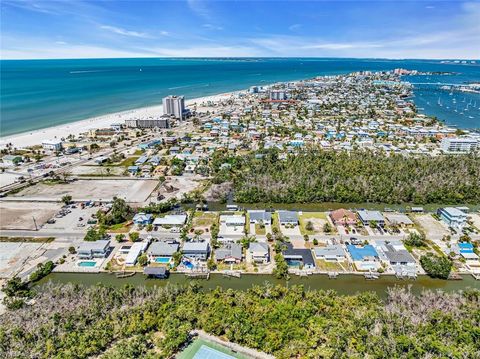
71 221
133 191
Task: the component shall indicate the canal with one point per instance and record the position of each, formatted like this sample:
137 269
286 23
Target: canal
344 284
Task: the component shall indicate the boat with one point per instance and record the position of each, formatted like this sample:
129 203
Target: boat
332 275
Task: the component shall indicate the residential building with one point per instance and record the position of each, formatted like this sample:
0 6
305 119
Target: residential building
331 253
343 217
398 219
364 257
197 250
465 250
143 218
11 160
136 249
90 250
259 252
453 217
260 216
229 253
297 257
287 217
368 217
278 95
174 106
233 220
174 220
162 252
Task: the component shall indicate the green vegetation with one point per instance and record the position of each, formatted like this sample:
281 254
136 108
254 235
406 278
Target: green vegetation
436 266
416 240
281 267
42 271
27 239
290 322
93 234
67 199
315 175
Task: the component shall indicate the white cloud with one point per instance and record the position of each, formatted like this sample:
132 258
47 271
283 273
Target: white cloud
295 27
212 27
200 8
124 32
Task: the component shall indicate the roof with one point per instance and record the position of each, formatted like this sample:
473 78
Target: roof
101 245
329 251
233 250
170 219
162 249
394 255
155 271
260 215
367 216
258 247
287 216
340 214
398 218
195 247
453 212
142 217
233 219
359 253
305 254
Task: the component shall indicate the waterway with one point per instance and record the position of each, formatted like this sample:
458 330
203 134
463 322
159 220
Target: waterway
344 284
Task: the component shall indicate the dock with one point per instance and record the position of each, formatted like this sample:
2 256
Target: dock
124 274
231 273
371 275
200 275
332 275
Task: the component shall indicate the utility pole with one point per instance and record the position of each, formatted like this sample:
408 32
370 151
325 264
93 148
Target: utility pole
35 223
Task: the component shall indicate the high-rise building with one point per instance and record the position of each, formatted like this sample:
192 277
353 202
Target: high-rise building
278 95
174 106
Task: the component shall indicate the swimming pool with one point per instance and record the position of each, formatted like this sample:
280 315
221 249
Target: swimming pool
87 264
294 263
162 260
188 264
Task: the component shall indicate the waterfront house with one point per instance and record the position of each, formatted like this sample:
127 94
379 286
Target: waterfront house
233 220
173 220
465 250
343 217
364 257
52 145
453 217
197 250
11 160
287 217
368 217
297 257
162 252
399 219
395 254
142 218
257 216
90 250
136 249
259 252
331 253
229 253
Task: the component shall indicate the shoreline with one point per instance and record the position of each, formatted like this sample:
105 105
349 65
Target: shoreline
35 137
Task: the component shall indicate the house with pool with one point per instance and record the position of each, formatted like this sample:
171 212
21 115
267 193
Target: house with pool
91 250
196 250
298 257
365 257
162 252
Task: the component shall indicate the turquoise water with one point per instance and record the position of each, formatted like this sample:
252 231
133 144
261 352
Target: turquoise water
87 264
42 93
162 260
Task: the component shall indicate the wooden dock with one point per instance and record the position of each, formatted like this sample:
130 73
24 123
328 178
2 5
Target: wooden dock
199 275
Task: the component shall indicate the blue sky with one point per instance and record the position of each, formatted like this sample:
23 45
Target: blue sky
388 29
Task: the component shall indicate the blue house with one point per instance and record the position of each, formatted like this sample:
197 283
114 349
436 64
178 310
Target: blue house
143 218
453 217
133 169
364 257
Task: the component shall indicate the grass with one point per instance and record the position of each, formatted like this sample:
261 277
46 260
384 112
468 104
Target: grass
204 219
27 239
328 266
259 230
305 217
275 222
119 228
130 161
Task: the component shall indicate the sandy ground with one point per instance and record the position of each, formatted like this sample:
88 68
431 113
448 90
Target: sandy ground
19 215
97 170
12 256
98 190
431 226
36 137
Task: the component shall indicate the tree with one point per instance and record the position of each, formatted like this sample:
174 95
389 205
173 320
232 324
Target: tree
416 240
281 267
309 226
72 250
92 235
269 237
134 236
306 238
327 227
436 266
67 199
120 211
142 260
211 265
120 237
315 242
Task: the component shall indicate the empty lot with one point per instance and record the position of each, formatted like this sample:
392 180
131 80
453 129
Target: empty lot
97 190
20 215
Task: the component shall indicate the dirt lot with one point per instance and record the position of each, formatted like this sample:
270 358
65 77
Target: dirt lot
430 225
203 221
97 190
19 215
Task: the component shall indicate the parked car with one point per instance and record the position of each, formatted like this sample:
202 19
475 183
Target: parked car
51 221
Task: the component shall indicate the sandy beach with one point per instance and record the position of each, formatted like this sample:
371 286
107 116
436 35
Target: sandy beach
31 138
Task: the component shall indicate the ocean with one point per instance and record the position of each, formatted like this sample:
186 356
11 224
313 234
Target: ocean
37 94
